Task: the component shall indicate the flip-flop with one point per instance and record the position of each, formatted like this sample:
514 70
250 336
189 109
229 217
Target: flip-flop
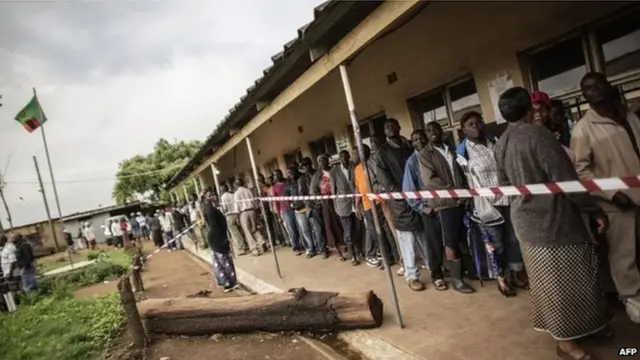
440 285
566 356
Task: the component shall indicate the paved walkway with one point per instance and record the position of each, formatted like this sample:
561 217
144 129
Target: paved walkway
67 268
439 325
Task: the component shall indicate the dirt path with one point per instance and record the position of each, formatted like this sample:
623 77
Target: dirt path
169 274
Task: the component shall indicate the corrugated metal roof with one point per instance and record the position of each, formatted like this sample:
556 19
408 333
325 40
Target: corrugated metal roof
320 13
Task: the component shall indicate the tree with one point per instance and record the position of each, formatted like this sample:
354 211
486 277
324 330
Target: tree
142 177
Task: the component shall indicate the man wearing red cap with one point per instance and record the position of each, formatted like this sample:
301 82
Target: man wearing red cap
541 104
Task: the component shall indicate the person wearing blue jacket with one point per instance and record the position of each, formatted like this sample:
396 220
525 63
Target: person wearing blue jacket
477 149
432 250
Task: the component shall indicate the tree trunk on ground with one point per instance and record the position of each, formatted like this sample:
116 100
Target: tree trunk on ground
293 310
134 323
136 278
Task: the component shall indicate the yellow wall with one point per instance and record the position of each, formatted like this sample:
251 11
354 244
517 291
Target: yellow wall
443 42
46 235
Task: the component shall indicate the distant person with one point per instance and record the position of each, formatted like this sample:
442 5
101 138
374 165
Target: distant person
108 233
117 233
156 230
68 238
223 268
143 224
124 229
167 228
89 235
25 263
135 226
178 225
7 257
81 241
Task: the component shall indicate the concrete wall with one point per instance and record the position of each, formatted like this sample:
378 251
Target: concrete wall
96 220
445 41
44 231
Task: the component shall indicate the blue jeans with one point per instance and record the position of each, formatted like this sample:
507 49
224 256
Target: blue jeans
311 232
407 240
168 235
291 226
28 276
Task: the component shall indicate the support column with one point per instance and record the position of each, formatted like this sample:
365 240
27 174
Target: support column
215 179
195 186
376 220
263 207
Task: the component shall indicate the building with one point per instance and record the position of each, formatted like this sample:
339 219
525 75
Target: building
417 62
41 236
98 218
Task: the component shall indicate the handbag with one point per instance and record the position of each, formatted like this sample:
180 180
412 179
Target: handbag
483 211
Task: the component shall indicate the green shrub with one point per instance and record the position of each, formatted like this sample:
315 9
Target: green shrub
88 275
60 327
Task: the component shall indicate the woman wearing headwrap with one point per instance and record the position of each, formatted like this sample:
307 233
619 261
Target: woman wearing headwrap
223 268
558 250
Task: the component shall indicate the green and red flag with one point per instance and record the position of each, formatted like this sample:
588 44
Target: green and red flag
31 116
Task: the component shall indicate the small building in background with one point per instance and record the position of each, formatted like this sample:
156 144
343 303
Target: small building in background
98 217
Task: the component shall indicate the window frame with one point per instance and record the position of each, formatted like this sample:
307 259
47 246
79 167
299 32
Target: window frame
593 53
417 119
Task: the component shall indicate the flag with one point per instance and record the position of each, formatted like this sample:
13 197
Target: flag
31 116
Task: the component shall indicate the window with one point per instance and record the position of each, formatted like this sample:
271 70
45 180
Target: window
324 145
292 157
559 68
613 46
271 166
620 41
432 108
373 127
462 96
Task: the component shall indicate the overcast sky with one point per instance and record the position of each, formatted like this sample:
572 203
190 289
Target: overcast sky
115 76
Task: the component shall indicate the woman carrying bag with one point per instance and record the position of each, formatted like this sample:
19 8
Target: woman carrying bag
475 156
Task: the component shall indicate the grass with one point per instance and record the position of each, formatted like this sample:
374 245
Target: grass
54 325
61 328
59 260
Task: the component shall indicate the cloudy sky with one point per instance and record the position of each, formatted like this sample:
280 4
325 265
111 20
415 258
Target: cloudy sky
115 76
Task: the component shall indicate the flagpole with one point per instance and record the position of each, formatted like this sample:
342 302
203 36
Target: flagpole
46 151
46 205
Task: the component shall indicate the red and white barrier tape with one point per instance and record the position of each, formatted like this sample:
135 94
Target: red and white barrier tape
608 184
184 232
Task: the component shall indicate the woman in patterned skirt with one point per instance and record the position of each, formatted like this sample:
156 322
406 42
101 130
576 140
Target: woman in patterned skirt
223 269
559 253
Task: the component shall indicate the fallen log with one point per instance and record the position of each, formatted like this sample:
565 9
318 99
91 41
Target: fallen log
134 323
297 309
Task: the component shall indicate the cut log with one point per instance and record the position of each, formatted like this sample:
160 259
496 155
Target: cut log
297 309
134 323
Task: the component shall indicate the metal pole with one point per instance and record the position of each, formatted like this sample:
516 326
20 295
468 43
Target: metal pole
46 204
195 186
215 178
186 193
6 206
376 220
264 209
46 151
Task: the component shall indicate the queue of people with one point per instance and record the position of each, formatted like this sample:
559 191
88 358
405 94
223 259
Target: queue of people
547 244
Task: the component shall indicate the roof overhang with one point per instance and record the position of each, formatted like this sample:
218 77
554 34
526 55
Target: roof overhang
333 20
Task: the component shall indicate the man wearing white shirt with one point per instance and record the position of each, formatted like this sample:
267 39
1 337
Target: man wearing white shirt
117 233
89 235
167 228
230 210
248 217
